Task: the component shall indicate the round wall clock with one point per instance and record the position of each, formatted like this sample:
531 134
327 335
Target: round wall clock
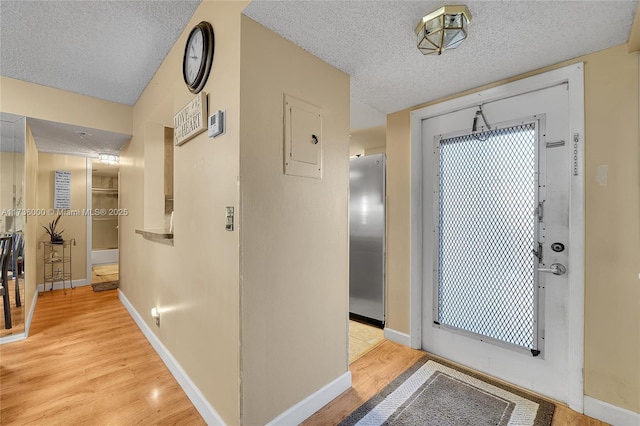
198 56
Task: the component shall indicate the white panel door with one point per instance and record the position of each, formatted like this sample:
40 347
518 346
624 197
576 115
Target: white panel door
496 239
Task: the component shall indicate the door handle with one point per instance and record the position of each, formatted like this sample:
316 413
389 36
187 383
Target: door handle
555 269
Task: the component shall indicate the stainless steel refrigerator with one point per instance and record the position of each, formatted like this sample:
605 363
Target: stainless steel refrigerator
367 238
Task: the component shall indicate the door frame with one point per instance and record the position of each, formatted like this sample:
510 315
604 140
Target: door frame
574 76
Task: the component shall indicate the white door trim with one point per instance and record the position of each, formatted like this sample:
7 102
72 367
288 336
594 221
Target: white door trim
89 218
574 76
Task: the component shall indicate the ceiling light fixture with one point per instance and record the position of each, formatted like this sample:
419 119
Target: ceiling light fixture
443 29
109 158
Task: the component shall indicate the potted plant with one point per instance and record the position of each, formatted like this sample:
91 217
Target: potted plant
54 234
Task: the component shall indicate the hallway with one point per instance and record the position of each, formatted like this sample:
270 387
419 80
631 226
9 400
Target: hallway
86 362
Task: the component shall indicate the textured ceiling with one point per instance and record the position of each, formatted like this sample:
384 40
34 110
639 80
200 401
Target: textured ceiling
374 42
112 49
105 49
62 138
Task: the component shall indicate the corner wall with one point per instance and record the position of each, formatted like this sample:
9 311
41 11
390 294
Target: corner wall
294 231
195 281
612 252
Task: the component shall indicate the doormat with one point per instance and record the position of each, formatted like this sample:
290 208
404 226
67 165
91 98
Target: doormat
432 393
102 270
109 285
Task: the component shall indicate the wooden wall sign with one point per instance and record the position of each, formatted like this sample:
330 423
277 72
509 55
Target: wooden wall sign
191 120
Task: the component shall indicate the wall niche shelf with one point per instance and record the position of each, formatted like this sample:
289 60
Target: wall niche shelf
158 235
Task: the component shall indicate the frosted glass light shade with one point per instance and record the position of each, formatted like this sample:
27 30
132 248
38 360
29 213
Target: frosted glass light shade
443 29
109 158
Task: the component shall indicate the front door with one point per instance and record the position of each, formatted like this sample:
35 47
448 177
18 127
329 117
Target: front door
496 212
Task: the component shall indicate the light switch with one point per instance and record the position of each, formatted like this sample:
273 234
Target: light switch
229 219
601 174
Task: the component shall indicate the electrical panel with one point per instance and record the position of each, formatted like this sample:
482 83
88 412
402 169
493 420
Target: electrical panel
302 138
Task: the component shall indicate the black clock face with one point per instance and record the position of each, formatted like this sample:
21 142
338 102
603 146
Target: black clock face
198 56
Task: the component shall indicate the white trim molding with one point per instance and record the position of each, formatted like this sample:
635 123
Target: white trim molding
208 413
398 337
610 413
305 408
32 309
58 285
22 336
574 76
13 338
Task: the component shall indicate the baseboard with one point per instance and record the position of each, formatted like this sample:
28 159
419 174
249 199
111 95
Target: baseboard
22 336
58 285
305 408
27 323
610 413
208 413
13 338
398 337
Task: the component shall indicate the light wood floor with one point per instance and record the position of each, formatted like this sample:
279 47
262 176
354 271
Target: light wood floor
379 367
87 363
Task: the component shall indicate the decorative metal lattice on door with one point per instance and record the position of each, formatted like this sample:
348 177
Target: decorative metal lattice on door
487 188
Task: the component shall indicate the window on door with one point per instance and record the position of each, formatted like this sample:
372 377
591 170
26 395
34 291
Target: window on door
487 196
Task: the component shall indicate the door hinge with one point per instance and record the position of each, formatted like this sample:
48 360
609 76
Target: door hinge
540 211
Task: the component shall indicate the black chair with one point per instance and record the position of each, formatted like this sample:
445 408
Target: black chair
6 248
17 263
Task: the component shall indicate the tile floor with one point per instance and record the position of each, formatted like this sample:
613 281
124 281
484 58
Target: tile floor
104 273
362 338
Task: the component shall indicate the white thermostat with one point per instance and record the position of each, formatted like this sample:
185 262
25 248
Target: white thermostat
216 124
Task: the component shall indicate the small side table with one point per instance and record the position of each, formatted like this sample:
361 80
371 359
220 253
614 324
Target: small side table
56 259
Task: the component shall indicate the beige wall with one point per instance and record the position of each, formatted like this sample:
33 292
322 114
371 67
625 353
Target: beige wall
367 141
612 255
195 282
73 226
36 101
31 223
398 220
612 252
294 230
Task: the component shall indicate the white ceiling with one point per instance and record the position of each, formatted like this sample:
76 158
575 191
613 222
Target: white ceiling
374 41
112 49
62 138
